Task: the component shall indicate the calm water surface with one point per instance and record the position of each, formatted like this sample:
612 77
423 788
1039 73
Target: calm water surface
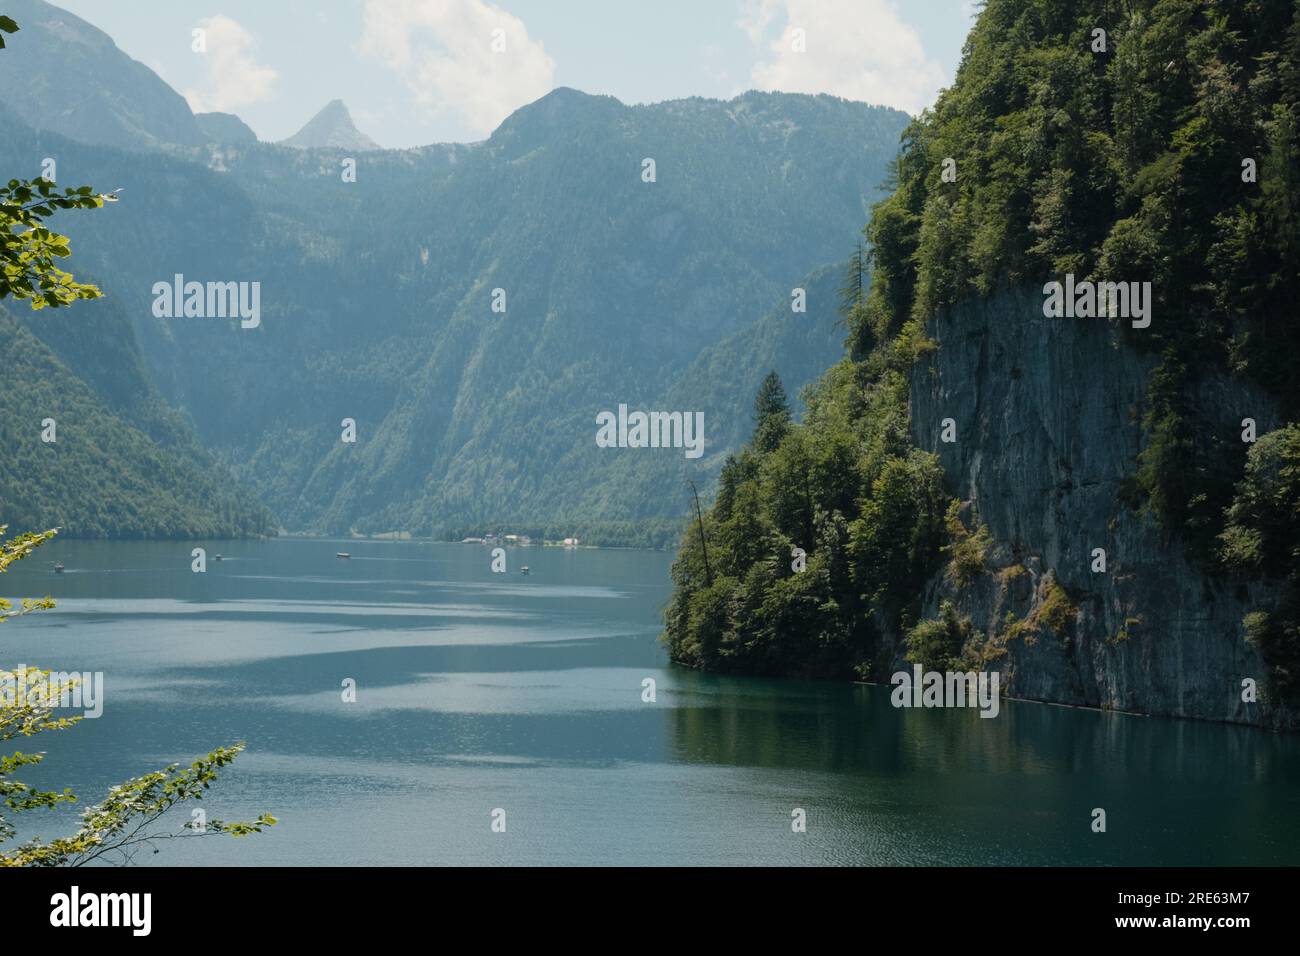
480 690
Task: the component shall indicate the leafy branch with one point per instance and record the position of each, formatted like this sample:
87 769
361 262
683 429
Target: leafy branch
28 249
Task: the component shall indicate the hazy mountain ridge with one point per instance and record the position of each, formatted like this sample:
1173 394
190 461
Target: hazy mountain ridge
376 294
62 74
540 365
225 128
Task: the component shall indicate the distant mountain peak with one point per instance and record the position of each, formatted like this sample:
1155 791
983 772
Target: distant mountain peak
563 107
225 128
332 127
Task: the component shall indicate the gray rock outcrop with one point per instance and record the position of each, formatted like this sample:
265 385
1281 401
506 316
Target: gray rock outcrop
1048 419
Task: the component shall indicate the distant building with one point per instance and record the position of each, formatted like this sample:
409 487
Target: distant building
570 542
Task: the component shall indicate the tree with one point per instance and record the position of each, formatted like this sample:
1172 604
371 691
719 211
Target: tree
771 414
15 549
1263 522
937 644
1262 536
853 290
126 821
28 248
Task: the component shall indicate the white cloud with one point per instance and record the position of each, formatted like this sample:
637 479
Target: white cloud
857 49
756 16
231 76
443 50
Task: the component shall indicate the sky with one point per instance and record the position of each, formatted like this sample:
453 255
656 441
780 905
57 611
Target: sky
414 72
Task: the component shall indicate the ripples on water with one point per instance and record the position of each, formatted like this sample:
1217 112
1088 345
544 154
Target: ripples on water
478 691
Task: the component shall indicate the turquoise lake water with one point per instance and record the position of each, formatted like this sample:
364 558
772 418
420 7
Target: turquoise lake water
479 691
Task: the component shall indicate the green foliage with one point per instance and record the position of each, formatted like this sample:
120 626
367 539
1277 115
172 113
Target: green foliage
1276 635
937 644
127 821
1056 610
28 248
1122 165
898 530
1126 631
1055 613
1263 521
15 549
1125 165
771 414
121 467
966 549
846 487
1262 536
1257 626
1011 573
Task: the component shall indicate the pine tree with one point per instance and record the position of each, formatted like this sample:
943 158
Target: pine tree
771 414
853 293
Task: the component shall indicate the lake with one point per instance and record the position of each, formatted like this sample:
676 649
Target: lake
477 691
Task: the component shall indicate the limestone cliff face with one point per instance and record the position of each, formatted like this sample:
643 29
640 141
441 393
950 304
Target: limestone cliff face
1048 422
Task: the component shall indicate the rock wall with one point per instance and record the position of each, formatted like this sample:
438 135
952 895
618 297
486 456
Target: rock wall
1048 429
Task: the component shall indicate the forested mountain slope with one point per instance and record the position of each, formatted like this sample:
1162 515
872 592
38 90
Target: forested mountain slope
377 296
120 463
962 466
61 74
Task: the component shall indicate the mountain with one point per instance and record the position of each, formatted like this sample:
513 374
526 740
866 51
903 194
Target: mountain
331 128
225 128
722 379
377 300
61 74
122 464
1103 510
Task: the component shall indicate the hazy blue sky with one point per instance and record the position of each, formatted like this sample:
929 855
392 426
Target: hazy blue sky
423 71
